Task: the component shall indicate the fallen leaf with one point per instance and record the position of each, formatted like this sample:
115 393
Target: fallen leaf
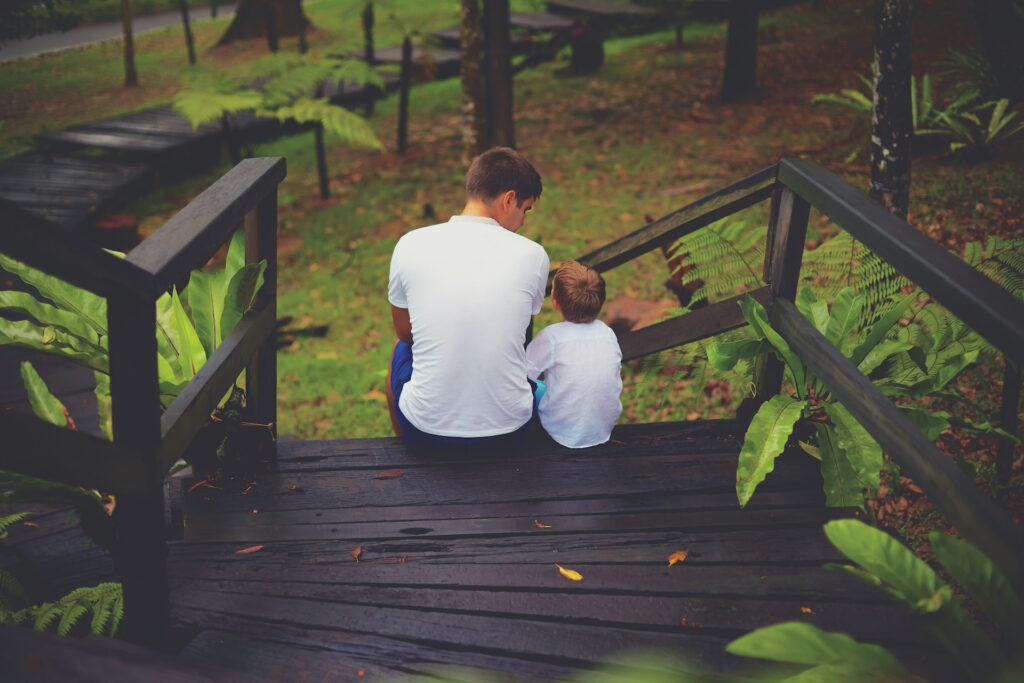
255 511
391 473
250 549
678 556
30 524
357 552
109 503
197 485
682 622
361 672
542 526
569 573
807 610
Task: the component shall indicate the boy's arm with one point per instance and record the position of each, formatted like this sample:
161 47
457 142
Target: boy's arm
403 326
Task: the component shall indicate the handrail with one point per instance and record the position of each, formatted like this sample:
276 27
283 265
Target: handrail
974 514
978 301
193 235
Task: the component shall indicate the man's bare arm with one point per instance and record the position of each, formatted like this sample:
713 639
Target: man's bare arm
403 326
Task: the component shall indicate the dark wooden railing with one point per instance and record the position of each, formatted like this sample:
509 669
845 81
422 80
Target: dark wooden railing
147 442
794 186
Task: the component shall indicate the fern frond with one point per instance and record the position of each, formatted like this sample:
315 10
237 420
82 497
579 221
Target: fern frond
350 128
205 106
105 602
724 257
8 521
10 587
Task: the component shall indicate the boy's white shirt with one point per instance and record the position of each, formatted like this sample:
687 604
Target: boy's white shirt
582 366
470 287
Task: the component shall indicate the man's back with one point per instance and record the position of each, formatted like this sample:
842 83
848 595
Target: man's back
470 287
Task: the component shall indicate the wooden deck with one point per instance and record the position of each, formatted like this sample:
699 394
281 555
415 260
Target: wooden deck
460 552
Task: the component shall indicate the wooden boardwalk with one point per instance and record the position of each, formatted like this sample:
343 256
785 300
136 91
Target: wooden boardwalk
459 555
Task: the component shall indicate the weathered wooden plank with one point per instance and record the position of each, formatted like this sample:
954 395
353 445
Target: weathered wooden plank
192 408
736 614
702 323
198 230
988 308
485 482
546 641
599 7
29 655
680 222
256 529
540 21
296 654
974 514
123 141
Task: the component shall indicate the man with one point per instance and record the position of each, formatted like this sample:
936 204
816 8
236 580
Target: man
462 294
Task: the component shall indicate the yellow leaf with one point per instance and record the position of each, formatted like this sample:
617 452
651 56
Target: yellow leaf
542 526
678 556
807 610
569 573
357 552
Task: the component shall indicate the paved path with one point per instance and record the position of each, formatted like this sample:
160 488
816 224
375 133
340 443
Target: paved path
95 33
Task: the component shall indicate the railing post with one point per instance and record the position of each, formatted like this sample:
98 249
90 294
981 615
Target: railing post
787 231
1008 422
261 375
140 555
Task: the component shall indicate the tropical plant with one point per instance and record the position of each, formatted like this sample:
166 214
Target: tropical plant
968 72
850 458
977 130
885 563
720 259
849 97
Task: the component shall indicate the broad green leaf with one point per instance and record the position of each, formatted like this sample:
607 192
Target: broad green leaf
44 404
241 292
91 308
757 317
814 310
168 340
797 642
26 335
880 352
103 404
931 423
885 557
844 316
860 448
725 355
191 351
45 314
984 582
839 481
952 367
983 428
236 256
765 439
205 293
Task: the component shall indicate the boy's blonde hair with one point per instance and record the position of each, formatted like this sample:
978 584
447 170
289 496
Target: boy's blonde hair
579 291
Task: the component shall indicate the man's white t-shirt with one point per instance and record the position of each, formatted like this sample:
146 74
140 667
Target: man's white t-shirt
470 287
582 366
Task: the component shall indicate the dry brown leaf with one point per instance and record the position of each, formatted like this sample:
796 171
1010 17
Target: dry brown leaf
542 526
807 610
357 552
197 485
30 524
391 473
250 549
109 503
678 556
569 573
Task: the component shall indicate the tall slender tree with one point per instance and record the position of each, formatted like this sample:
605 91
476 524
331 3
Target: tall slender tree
740 76
131 79
500 119
474 106
892 124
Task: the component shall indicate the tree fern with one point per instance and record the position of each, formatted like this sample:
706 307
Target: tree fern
724 258
102 604
336 120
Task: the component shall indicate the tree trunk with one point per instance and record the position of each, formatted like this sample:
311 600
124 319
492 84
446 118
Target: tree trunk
403 95
131 79
250 20
473 104
1001 27
501 124
740 76
891 125
188 32
369 56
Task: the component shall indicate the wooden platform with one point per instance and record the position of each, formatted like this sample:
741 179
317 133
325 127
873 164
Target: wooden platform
459 555
70 193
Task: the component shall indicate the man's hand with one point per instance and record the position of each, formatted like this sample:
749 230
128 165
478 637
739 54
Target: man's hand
403 326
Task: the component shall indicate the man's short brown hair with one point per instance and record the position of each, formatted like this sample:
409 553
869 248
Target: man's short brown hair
500 169
579 291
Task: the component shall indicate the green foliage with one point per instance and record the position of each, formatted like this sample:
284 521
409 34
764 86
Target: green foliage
284 86
977 130
102 605
885 563
44 404
721 258
765 439
853 99
27 18
969 73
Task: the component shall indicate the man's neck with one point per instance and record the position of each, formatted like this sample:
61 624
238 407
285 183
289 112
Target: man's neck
475 207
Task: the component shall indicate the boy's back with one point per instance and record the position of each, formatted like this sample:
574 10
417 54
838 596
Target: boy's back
582 364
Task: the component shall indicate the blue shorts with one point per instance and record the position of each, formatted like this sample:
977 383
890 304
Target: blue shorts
401 372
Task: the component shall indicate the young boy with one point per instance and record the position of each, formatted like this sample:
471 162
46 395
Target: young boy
581 362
